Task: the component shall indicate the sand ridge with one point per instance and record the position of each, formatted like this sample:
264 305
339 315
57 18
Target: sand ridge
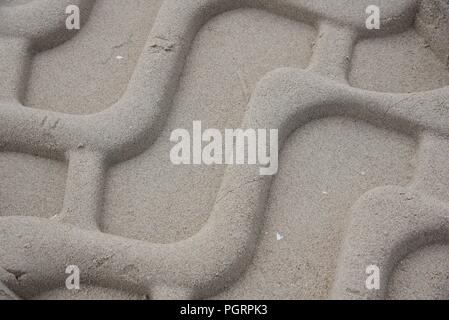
209 261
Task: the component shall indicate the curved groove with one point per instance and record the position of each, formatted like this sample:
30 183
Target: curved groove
155 79
388 224
43 22
219 252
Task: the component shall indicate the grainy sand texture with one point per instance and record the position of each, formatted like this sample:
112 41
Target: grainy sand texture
86 177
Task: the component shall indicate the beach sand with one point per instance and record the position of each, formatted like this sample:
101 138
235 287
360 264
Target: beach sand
368 110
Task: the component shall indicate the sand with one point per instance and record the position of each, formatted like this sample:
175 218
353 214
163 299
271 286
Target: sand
219 76
86 179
